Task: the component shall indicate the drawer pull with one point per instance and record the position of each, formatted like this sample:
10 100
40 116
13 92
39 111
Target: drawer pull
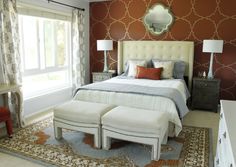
203 84
231 165
224 135
218 161
220 141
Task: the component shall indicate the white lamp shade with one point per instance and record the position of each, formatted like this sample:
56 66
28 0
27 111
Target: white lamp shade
212 46
104 45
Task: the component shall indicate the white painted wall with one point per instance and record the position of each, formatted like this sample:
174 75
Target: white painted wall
37 104
40 103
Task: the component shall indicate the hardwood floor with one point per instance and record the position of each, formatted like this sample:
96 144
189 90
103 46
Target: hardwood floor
204 119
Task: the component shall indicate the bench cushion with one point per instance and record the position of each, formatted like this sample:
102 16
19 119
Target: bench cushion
136 120
82 111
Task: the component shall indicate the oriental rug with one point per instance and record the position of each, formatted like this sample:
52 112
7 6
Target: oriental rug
36 142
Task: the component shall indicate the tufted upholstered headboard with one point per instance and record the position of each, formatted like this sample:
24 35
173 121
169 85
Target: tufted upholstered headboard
164 50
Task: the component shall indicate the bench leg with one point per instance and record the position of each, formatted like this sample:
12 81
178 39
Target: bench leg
97 138
57 131
106 141
156 151
165 139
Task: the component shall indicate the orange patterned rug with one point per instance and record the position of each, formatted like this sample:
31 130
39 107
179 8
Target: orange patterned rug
190 149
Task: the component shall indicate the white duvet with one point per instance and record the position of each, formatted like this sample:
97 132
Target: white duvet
157 103
166 83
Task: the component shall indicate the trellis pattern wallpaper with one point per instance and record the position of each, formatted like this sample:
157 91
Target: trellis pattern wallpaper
195 20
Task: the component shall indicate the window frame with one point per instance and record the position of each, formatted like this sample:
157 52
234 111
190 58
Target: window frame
42 68
41 51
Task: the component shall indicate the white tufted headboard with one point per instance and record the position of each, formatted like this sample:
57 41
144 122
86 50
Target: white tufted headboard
164 50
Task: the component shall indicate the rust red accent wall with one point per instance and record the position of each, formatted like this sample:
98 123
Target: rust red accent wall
195 20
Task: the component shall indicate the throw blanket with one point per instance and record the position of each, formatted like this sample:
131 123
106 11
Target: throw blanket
170 93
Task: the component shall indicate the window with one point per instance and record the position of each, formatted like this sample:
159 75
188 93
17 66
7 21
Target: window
45 52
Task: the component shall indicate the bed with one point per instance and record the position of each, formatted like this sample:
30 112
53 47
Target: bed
133 92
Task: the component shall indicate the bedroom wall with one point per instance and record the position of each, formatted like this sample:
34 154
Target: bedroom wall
194 21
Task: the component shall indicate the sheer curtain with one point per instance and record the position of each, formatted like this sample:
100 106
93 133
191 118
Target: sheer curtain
78 49
9 49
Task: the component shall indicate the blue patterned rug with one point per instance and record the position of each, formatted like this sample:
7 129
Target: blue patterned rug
191 149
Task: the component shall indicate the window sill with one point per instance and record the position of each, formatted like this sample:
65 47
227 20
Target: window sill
46 92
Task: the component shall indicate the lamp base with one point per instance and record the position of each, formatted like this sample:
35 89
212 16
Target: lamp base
210 75
210 72
105 68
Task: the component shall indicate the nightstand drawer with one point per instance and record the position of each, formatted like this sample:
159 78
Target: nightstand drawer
205 102
205 84
205 93
102 76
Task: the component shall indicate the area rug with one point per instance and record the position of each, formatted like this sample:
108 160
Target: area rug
189 149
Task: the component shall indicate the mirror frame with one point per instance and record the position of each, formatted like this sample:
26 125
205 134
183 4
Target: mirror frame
167 27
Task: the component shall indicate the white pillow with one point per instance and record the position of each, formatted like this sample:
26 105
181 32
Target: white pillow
133 66
167 66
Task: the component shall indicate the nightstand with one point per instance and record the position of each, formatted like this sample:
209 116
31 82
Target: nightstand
102 76
205 94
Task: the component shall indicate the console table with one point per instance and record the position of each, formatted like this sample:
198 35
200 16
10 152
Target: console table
14 89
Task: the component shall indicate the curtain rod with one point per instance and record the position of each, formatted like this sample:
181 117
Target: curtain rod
66 5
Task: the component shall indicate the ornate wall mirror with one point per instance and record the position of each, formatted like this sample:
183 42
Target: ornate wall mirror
158 19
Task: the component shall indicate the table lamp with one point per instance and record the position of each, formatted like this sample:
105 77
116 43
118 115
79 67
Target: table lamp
212 46
105 45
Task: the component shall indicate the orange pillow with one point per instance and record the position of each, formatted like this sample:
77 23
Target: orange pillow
148 73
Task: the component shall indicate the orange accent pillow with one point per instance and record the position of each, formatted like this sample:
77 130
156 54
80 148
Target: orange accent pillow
148 73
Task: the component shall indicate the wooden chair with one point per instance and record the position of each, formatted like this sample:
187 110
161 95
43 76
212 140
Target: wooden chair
5 116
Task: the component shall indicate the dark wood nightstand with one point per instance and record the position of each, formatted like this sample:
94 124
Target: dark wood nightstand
205 94
102 76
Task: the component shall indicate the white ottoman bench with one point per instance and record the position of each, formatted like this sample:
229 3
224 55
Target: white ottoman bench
80 116
136 125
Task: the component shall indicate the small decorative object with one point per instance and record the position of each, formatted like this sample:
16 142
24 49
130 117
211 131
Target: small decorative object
204 74
212 46
200 74
158 19
105 45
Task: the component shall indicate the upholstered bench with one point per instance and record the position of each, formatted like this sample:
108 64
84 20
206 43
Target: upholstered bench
136 125
80 116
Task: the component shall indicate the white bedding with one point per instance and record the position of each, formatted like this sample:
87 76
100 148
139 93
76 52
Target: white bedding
165 83
157 103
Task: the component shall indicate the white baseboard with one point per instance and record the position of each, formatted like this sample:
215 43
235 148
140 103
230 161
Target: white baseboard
43 102
40 115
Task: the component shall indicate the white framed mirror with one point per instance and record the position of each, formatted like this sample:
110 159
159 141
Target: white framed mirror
158 19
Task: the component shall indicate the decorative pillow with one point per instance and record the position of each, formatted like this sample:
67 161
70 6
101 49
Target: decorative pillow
148 73
132 65
179 67
167 66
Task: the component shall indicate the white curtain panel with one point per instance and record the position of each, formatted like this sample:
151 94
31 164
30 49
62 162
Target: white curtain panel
9 39
10 71
78 49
